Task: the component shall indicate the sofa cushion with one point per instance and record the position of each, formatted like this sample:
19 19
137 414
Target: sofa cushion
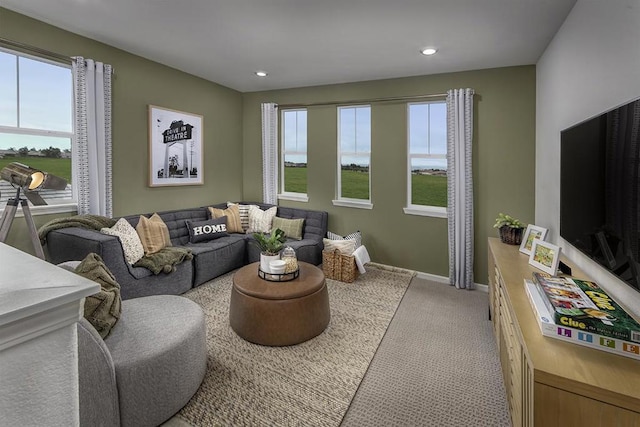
202 231
102 309
292 227
234 224
261 221
216 257
153 233
131 244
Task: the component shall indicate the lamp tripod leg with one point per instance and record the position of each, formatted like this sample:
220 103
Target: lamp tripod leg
7 218
33 231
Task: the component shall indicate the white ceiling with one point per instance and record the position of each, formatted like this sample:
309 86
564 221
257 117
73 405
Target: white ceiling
312 42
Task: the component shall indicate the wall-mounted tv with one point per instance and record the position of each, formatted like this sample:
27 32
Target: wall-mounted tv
600 190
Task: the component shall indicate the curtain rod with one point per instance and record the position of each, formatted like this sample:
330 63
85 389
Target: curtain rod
363 101
33 49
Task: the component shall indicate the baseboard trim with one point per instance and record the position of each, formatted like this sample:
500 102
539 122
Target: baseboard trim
445 280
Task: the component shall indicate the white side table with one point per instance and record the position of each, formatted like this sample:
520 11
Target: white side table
39 307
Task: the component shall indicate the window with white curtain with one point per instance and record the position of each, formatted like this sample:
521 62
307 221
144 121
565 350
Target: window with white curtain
427 158
294 154
36 119
354 156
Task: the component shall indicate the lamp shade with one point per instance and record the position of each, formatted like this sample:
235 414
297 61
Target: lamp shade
22 176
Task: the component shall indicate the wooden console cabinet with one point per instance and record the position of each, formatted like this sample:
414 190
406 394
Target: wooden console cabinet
551 382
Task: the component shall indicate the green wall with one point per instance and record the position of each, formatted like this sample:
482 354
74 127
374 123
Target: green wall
138 82
503 161
504 147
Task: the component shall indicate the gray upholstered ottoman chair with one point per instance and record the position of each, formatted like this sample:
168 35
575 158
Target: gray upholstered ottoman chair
147 368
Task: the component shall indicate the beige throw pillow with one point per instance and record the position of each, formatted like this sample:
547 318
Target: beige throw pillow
346 247
153 233
131 244
102 309
234 223
260 221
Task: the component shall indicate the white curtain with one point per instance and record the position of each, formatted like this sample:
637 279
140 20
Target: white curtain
92 168
460 187
270 153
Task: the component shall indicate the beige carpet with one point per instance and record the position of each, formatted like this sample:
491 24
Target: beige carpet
308 384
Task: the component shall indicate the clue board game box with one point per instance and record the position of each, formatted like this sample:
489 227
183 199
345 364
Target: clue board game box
575 336
583 305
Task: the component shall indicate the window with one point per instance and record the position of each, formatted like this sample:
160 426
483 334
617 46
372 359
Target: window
354 156
294 155
427 158
36 119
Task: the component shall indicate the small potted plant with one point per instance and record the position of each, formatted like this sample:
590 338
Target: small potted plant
510 229
270 246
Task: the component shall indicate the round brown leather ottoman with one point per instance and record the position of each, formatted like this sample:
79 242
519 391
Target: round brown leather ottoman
279 313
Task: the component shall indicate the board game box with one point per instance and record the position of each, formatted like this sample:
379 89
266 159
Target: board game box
583 305
576 336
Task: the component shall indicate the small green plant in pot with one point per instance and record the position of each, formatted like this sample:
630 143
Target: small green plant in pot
270 246
510 229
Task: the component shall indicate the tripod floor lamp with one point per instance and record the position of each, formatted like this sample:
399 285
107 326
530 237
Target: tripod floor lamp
27 180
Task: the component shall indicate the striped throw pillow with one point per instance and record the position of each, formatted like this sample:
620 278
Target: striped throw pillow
153 233
356 237
292 227
234 223
244 214
261 221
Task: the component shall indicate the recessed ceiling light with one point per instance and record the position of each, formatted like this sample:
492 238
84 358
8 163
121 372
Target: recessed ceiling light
428 51
261 73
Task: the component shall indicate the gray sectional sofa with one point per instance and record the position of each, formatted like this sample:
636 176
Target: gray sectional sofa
210 259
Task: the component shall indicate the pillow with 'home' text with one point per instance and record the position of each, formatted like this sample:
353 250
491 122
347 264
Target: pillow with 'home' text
203 231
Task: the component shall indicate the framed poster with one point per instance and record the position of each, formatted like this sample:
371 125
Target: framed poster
175 148
545 256
533 232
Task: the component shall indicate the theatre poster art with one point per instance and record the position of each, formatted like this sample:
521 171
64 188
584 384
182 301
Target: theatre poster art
175 148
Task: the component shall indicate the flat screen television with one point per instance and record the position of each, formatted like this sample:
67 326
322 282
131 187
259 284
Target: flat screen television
600 190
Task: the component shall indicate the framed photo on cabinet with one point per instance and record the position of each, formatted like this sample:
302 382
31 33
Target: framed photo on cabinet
545 256
175 148
533 232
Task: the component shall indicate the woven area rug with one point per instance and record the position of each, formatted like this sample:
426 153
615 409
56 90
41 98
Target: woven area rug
310 384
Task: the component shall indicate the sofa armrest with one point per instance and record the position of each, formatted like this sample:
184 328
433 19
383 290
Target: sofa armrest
75 243
99 405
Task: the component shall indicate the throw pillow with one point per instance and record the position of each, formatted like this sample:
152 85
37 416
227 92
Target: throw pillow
102 309
244 214
356 237
292 227
261 221
153 233
203 231
234 223
131 244
346 247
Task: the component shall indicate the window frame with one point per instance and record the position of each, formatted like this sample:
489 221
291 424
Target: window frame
65 205
348 201
410 208
290 195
